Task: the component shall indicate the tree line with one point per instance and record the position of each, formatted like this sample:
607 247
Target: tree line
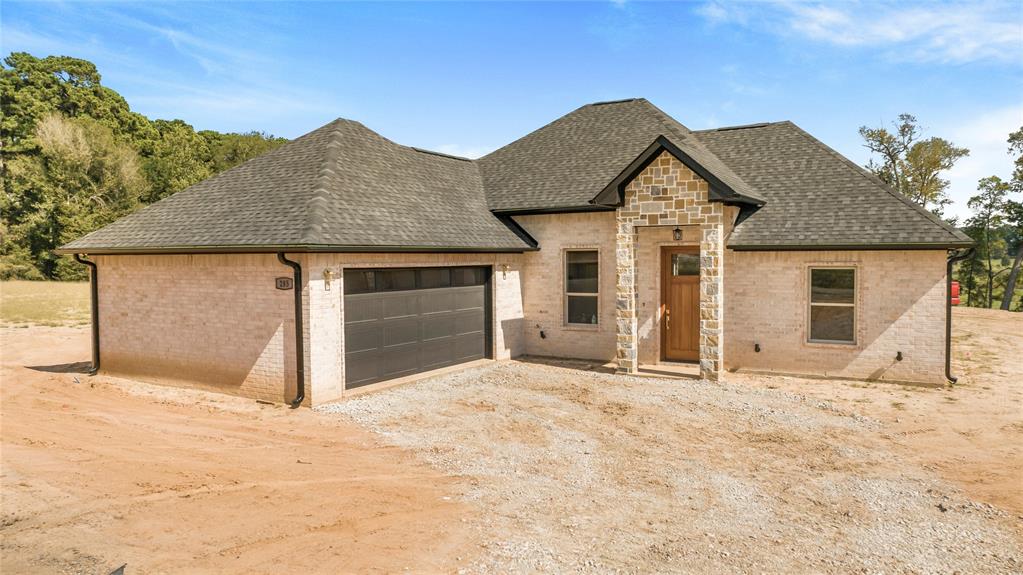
74 157
914 165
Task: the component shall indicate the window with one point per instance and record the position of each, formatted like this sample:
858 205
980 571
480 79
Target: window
434 278
367 281
684 264
833 305
581 279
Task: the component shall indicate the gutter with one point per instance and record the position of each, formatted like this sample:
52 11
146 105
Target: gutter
278 248
953 257
846 247
94 305
299 329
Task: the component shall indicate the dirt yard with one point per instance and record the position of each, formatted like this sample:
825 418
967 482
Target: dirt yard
516 467
98 472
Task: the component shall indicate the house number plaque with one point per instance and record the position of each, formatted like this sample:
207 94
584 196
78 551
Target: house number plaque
285 283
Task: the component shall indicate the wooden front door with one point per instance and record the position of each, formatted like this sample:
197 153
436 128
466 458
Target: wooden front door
680 303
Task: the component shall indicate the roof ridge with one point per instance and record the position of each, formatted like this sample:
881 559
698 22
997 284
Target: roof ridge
739 127
319 199
665 118
441 154
688 137
606 102
857 169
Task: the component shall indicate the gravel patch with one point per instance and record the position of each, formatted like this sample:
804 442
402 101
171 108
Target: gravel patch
580 471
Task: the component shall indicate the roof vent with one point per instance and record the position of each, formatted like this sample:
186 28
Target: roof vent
614 102
441 154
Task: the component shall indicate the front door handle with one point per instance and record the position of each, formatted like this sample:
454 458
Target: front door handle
667 319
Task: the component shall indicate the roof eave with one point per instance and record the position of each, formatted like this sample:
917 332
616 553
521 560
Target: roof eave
849 246
289 248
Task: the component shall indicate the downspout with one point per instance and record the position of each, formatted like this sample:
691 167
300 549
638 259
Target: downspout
94 302
953 257
299 330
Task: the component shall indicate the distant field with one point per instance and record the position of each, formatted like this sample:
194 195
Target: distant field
44 303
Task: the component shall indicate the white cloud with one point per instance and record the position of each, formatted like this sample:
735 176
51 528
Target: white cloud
985 136
921 32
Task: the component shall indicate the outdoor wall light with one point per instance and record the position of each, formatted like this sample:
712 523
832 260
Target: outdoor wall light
328 275
677 233
504 271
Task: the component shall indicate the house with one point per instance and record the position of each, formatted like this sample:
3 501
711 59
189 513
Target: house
342 259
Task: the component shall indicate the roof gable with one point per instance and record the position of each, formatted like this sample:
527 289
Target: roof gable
565 164
614 193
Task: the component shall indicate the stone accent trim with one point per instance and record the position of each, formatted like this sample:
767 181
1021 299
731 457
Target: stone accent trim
667 193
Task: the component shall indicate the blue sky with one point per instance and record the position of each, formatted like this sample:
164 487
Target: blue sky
468 78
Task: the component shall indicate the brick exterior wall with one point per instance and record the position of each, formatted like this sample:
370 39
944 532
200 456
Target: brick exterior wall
543 286
217 322
212 321
900 307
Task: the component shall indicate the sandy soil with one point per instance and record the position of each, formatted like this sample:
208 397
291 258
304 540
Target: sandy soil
970 433
516 467
98 472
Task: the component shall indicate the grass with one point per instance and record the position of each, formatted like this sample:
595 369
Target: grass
44 303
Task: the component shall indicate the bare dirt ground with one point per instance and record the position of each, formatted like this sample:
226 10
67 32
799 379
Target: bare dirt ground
970 433
101 472
516 467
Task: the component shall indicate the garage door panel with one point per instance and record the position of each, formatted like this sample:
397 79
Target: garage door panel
400 332
391 334
437 327
361 367
399 359
362 307
467 322
437 301
437 354
364 337
468 347
399 304
473 299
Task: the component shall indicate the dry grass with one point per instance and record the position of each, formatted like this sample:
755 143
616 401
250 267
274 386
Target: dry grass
44 303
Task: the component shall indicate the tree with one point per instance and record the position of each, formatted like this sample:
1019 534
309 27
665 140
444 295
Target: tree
989 212
229 150
1014 217
74 157
179 158
910 165
81 180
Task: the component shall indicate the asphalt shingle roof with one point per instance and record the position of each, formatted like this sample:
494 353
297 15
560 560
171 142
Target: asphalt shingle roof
341 185
816 197
567 162
345 187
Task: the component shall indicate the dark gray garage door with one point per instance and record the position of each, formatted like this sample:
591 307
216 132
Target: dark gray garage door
404 321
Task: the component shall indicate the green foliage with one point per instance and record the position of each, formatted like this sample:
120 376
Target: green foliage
229 150
910 165
74 157
991 275
180 157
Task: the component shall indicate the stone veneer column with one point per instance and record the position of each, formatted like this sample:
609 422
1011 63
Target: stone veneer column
667 193
625 298
712 295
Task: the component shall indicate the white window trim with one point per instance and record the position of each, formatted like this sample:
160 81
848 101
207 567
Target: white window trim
854 305
565 293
